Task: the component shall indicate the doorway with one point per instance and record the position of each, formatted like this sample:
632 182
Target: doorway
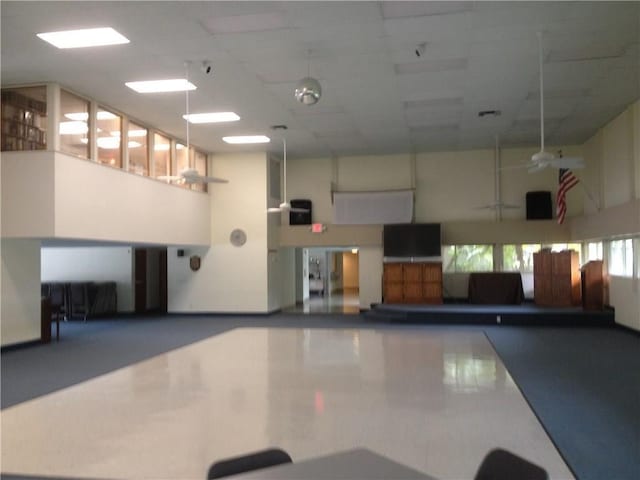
150 280
329 280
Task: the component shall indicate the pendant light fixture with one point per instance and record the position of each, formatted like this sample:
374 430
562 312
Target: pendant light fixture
308 90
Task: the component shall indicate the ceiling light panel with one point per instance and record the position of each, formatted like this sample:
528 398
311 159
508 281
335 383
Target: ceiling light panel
246 139
161 86
89 37
211 117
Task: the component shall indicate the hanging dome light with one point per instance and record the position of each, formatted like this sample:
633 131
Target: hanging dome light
308 91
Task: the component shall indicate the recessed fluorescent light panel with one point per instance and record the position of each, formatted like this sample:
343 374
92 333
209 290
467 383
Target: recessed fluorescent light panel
243 139
212 117
88 37
160 86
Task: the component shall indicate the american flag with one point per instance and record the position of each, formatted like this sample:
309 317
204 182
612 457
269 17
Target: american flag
566 181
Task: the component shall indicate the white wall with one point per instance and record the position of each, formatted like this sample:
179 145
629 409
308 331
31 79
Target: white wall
624 295
614 153
288 268
53 195
20 287
370 275
231 279
92 264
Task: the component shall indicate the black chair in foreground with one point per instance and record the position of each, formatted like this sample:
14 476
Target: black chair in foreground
503 465
246 463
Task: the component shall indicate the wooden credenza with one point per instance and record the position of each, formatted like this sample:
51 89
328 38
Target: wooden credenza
556 278
412 282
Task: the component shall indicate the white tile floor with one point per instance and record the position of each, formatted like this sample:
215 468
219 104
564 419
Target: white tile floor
436 401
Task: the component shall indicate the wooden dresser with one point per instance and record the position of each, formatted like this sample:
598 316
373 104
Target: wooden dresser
412 282
556 278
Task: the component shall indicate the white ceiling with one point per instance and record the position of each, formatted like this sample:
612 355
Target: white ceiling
378 97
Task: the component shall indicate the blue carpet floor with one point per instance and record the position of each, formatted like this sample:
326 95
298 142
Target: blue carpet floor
584 386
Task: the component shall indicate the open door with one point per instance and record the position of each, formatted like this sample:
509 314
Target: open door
140 279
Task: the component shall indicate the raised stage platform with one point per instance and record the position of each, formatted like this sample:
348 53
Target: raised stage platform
465 313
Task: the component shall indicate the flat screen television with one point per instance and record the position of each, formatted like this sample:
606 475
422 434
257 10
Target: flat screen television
412 240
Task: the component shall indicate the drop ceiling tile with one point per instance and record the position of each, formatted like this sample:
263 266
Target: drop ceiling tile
402 9
257 22
435 28
431 66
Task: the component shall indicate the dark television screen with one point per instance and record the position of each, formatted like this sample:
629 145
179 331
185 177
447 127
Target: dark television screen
412 240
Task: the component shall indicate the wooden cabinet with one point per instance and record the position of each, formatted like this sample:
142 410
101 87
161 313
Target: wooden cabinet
595 286
556 278
412 282
23 122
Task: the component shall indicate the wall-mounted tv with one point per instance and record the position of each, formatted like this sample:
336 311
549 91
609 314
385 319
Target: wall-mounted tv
412 240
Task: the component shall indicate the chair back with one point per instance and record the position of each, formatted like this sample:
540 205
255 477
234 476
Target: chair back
246 463
503 465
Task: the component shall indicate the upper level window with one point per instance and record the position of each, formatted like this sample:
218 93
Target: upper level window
621 257
24 118
467 258
109 131
138 153
161 155
182 161
74 124
200 164
519 258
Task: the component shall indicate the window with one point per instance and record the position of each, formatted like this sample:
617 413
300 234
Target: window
518 258
559 247
200 164
74 125
182 161
161 155
467 258
24 118
621 257
109 129
138 153
593 251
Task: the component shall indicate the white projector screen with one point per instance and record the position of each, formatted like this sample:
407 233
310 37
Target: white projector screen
370 208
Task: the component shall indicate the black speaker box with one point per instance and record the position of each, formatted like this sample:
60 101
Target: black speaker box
539 206
300 218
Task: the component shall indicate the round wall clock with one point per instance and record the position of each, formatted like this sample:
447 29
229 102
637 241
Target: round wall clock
238 237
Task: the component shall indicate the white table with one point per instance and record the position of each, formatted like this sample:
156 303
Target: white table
356 464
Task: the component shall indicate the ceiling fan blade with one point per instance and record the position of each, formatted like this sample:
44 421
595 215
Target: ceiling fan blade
568 162
204 179
537 168
274 210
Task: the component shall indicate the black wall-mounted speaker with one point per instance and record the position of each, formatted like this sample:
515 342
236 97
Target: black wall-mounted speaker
539 205
300 218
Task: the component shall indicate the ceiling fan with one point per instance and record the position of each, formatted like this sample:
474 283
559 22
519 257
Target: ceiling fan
543 159
191 176
285 206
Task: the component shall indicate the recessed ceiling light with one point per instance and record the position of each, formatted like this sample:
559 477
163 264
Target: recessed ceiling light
88 37
158 86
212 117
240 139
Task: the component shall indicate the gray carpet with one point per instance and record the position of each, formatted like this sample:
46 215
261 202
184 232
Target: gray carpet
584 386
582 383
